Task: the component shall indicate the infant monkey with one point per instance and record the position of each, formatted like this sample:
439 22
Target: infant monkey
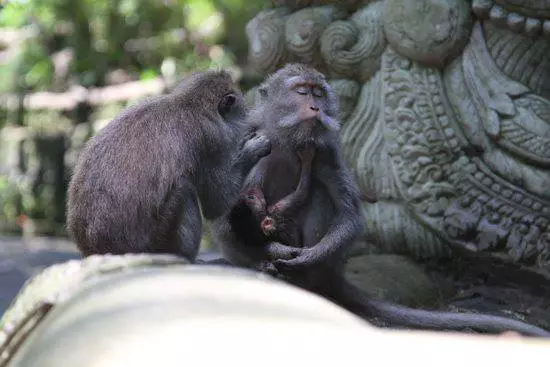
265 224
277 220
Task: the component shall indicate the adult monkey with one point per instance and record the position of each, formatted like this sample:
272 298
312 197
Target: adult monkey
138 182
296 106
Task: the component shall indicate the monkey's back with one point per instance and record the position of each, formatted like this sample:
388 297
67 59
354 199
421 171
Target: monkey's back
119 184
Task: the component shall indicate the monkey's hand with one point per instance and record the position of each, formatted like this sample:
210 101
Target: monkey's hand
268 268
256 144
277 251
305 258
255 147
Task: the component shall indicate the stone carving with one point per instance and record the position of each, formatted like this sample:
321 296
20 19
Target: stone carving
426 30
446 114
303 29
352 48
298 4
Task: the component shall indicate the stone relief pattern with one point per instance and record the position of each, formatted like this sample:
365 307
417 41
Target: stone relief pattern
530 21
303 30
421 142
352 48
410 126
265 33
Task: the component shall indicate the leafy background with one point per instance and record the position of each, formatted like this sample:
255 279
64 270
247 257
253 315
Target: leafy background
58 46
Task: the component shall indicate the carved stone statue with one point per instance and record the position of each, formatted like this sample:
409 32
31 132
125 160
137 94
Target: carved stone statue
446 111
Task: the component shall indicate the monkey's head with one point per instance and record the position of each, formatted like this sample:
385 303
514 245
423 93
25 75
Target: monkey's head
213 96
299 103
255 200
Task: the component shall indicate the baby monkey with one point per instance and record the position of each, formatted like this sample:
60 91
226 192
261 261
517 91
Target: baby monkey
275 222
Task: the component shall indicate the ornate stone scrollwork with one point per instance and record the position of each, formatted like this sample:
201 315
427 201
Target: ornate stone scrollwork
352 48
447 117
303 29
266 41
431 32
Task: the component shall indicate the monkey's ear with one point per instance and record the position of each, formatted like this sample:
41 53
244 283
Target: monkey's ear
226 103
262 91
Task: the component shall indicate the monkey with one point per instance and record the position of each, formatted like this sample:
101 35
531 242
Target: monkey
256 224
295 105
273 220
140 184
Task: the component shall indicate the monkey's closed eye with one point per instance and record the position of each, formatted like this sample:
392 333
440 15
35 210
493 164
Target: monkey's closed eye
226 103
302 90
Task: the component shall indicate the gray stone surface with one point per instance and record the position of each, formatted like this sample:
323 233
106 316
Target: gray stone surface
22 258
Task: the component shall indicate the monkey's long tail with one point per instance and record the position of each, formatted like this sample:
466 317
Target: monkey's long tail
394 314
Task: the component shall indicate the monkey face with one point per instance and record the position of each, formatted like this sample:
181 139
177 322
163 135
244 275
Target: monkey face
299 103
255 200
307 100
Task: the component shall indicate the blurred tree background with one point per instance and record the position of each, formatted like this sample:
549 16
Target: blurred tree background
68 66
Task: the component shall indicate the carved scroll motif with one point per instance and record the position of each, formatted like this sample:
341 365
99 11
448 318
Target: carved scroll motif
352 48
265 34
303 30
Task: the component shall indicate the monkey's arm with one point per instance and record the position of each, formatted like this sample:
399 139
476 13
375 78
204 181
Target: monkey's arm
348 221
253 147
290 204
220 189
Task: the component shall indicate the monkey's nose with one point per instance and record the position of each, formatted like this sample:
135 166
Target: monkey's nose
314 108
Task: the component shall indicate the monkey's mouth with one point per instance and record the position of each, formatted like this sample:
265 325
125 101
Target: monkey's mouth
310 123
268 226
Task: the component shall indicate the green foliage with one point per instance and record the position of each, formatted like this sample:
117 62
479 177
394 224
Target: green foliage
148 74
91 43
13 15
134 35
9 197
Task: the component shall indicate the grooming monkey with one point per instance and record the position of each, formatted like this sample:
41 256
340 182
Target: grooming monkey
138 182
296 106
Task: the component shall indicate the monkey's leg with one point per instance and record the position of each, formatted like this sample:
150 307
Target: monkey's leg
342 228
190 230
276 250
179 223
350 297
288 206
219 261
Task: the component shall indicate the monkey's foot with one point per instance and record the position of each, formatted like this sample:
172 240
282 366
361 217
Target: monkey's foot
276 250
268 268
